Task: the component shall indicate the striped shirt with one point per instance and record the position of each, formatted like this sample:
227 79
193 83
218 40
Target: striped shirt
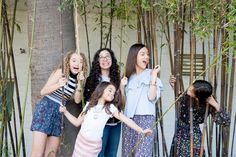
69 89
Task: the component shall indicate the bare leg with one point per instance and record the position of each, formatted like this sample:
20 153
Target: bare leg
52 146
39 143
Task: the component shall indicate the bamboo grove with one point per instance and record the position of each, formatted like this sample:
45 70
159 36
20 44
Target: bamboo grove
12 137
209 28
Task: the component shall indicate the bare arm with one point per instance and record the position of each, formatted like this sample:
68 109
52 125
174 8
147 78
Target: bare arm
123 83
55 81
75 121
131 123
152 92
213 103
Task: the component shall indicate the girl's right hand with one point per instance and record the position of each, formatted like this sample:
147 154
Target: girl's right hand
62 81
147 132
124 81
62 109
172 81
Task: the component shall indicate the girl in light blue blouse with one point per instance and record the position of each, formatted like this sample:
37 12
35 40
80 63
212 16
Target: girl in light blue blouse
141 92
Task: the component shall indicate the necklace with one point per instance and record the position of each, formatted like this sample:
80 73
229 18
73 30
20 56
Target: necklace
97 110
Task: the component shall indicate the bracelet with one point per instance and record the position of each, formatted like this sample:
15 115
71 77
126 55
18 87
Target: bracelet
152 84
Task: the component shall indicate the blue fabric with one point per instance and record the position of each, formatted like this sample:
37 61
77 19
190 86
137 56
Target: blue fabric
136 91
47 118
110 140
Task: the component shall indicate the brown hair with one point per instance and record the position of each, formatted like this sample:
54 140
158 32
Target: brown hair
97 94
132 59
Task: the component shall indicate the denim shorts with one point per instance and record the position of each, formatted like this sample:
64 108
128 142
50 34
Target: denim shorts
47 118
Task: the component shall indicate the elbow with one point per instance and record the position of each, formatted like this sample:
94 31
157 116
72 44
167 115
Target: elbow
42 92
152 97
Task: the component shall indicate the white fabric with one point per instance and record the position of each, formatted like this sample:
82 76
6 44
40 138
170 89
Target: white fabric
95 121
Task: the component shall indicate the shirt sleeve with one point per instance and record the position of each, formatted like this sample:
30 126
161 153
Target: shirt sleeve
85 106
112 109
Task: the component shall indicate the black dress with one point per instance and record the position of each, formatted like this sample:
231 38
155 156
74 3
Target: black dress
181 141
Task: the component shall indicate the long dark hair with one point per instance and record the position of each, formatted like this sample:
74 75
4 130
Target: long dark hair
202 90
94 76
132 59
97 94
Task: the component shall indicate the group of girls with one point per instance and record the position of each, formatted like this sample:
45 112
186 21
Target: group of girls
106 95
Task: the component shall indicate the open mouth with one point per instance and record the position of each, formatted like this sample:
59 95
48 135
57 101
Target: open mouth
145 62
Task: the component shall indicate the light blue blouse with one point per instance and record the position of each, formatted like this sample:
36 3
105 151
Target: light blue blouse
136 91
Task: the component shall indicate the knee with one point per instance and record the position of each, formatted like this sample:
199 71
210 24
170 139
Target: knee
51 152
36 154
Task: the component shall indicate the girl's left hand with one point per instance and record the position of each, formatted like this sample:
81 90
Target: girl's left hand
80 76
147 131
156 70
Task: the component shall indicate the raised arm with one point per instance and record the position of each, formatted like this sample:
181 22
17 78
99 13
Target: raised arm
75 121
211 100
55 81
131 123
123 83
152 92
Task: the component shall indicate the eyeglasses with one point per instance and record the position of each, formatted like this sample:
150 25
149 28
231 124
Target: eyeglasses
101 58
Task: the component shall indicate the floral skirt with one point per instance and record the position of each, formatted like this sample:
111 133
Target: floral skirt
130 137
47 118
180 146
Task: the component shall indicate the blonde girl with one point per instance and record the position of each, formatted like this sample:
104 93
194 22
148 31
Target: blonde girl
46 123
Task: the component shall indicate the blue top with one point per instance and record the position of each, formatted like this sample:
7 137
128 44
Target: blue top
136 91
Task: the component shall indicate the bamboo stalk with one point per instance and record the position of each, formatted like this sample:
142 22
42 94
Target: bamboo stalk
192 53
139 27
204 130
101 23
232 143
11 35
11 138
87 35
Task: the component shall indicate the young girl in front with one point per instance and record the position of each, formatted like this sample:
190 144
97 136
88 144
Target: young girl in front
141 94
46 123
105 68
93 120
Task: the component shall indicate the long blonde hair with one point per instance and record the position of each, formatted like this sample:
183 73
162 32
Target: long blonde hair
66 66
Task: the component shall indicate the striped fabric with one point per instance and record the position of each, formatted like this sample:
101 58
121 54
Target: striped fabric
69 89
85 147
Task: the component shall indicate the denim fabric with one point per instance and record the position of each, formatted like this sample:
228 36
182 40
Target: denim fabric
110 140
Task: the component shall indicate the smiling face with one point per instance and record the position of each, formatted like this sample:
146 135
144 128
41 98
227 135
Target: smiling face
142 59
76 63
109 93
105 60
